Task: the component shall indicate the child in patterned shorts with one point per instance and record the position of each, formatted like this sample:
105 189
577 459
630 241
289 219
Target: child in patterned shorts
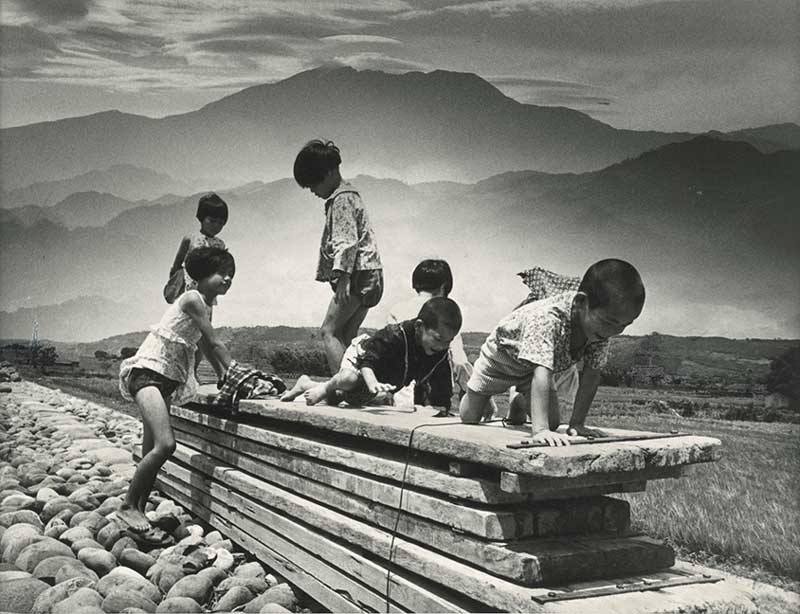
537 341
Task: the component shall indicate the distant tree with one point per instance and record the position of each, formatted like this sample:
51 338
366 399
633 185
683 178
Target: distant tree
101 354
612 376
784 374
46 356
127 352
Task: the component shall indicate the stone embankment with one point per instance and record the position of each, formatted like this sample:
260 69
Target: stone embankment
64 469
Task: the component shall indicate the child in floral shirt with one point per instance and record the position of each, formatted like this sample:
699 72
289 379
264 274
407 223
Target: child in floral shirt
348 253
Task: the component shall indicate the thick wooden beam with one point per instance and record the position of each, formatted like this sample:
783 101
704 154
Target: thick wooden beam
487 443
545 487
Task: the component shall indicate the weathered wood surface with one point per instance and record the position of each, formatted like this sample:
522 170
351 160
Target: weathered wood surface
588 515
269 527
559 559
543 487
486 443
471 489
518 561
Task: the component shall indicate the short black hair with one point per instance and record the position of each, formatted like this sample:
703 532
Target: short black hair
439 311
315 161
612 280
211 205
430 275
205 261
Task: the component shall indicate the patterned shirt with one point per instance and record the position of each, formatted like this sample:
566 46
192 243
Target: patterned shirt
539 333
348 241
543 284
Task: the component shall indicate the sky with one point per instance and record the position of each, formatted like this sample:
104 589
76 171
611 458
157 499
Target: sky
691 65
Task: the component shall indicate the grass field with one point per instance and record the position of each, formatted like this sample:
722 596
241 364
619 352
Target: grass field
741 514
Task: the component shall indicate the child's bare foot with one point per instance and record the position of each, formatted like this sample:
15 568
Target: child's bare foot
303 383
134 518
316 394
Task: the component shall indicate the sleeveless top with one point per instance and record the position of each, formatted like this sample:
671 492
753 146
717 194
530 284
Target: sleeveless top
169 350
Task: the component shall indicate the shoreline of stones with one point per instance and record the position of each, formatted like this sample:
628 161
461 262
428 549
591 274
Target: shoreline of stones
65 464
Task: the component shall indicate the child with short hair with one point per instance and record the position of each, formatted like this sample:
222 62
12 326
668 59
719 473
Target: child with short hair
212 213
547 337
431 278
162 372
415 349
348 254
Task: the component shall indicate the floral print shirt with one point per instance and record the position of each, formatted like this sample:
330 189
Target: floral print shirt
539 333
348 241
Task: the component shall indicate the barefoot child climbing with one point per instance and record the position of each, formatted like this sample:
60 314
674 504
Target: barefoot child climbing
415 349
162 372
531 346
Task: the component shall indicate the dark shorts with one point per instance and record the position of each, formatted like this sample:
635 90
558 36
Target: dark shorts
367 286
142 378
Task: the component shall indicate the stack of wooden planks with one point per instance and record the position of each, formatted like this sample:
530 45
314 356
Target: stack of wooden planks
384 509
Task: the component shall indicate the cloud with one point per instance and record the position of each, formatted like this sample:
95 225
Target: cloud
283 24
54 11
361 38
253 46
379 61
23 48
552 92
612 27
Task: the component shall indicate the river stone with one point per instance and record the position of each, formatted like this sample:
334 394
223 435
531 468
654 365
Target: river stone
111 504
83 601
75 569
58 505
122 544
225 544
19 594
21 517
179 605
109 534
98 560
256 585
281 594
48 568
74 534
15 502
86 542
272 608
136 560
118 599
250 570
15 538
214 574
196 587
224 560
233 598
45 494
89 519
124 577
55 528
65 515
47 599
111 456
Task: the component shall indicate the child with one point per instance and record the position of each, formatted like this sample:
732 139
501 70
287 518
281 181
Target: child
391 358
434 278
348 254
541 339
162 371
212 212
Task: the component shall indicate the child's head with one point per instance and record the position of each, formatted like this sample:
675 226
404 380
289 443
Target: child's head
316 167
438 322
212 268
610 297
212 212
433 276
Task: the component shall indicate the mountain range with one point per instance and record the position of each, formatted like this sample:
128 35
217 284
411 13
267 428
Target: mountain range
414 127
710 223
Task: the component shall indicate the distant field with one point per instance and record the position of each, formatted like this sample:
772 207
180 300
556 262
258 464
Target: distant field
741 513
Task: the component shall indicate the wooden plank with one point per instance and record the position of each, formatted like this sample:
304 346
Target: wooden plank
299 567
412 593
471 489
514 482
486 443
495 524
619 554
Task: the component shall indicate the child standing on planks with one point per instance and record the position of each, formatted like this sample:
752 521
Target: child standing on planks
348 253
546 337
415 349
